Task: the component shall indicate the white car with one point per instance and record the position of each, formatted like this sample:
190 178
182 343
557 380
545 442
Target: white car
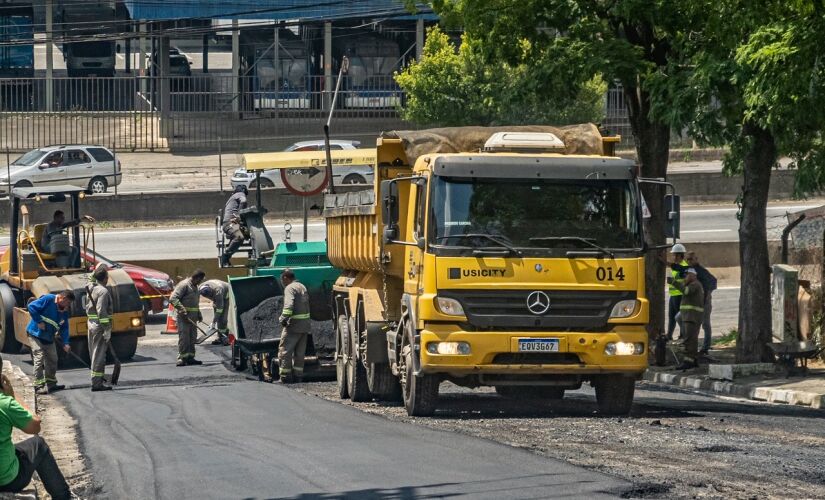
355 174
90 167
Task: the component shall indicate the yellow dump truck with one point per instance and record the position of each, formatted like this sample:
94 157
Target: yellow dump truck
511 258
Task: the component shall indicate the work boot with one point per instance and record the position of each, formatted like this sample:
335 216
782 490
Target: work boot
181 362
41 391
225 260
687 365
101 387
218 341
287 378
56 387
193 361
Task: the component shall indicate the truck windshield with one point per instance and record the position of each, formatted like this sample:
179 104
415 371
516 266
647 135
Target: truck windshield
535 215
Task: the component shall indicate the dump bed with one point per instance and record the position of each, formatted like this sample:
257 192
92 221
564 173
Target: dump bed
354 220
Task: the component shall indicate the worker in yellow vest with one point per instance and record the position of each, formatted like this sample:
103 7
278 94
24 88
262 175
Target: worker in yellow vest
678 266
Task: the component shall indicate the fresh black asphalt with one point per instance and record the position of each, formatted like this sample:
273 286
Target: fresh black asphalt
207 432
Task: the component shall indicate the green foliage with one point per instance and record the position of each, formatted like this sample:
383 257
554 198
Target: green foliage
453 86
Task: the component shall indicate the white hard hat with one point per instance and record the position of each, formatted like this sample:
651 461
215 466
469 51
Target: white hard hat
678 248
690 270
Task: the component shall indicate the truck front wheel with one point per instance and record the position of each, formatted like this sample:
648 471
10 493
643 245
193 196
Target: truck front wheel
420 392
614 394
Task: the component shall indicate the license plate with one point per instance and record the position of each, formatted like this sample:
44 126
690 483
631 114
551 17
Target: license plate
538 345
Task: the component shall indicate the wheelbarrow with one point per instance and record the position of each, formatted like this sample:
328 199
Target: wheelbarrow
794 356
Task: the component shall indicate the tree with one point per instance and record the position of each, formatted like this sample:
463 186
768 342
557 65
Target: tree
751 77
453 86
628 41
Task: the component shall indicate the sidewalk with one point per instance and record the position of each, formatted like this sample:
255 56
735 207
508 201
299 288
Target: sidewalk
773 388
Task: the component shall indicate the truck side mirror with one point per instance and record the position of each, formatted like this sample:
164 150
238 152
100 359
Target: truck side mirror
389 202
672 206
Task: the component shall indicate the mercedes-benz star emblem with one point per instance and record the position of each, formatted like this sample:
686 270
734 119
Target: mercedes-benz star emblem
538 302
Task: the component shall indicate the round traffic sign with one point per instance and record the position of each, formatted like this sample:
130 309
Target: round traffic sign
304 181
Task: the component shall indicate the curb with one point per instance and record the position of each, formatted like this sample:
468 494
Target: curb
746 391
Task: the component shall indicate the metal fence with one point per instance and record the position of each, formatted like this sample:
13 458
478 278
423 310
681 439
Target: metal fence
188 113
195 113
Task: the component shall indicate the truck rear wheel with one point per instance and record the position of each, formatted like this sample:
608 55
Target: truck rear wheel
614 394
357 386
382 383
8 343
420 392
340 363
527 392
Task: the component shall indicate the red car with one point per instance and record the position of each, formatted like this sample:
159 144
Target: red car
154 286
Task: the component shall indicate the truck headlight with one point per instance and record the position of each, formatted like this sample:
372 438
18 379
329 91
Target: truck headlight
624 309
450 307
624 348
449 348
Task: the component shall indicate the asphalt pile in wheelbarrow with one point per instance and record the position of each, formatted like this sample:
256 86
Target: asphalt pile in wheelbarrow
323 336
261 322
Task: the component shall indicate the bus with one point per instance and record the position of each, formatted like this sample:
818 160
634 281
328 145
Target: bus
370 82
287 88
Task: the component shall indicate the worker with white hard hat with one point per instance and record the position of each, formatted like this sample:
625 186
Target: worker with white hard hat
678 266
691 310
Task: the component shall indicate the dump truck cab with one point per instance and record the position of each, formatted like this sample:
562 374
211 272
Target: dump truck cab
28 271
518 264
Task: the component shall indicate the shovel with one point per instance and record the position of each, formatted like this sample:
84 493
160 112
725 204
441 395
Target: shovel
72 354
206 334
116 369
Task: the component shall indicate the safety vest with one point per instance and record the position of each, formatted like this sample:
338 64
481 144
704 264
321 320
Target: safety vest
672 290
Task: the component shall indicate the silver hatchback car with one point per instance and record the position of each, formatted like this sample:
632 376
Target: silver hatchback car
90 167
354 174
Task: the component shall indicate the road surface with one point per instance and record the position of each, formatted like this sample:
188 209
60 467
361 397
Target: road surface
208 432
699 224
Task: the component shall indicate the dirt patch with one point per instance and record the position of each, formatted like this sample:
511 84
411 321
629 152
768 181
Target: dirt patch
673 445
59 429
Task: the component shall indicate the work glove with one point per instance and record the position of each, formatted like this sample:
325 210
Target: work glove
107 334
669 280
284 321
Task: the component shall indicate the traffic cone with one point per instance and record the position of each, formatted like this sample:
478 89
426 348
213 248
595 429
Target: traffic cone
171 322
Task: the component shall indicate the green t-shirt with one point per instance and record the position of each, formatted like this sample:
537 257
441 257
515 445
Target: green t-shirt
11 415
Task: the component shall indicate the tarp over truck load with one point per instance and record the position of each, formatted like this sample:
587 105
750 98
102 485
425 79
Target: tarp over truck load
583 139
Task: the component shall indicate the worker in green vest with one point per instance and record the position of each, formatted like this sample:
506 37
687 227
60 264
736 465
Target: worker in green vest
692 311
678 266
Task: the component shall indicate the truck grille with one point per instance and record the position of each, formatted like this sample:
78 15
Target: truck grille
496 309
521 358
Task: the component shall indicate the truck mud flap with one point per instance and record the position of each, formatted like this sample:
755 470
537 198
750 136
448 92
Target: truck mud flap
377 343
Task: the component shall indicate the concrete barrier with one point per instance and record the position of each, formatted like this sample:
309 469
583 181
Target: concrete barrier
700 187
182 205
177 205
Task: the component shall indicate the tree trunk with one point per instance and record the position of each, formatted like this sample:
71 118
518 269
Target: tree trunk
755 293
652 149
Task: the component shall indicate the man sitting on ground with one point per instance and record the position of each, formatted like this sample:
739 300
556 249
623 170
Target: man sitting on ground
18 462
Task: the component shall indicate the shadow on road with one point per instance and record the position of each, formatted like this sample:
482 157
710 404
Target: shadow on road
507 487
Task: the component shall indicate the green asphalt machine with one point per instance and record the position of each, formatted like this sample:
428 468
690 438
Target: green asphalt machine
265 263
